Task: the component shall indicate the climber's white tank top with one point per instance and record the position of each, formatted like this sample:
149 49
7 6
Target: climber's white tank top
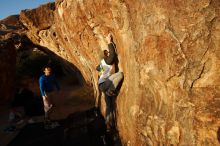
105 71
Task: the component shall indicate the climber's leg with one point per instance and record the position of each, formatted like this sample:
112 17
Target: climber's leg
114 80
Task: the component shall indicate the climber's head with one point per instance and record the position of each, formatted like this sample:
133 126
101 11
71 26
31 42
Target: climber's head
47 70
106 53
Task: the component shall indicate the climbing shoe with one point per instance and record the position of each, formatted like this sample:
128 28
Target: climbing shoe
51 125
54 125
108 127
47 124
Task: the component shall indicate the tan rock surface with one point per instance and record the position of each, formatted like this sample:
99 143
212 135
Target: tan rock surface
168 51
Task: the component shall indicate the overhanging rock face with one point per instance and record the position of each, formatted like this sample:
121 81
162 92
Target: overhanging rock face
168 51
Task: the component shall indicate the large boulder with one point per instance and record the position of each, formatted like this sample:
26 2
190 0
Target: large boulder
168 51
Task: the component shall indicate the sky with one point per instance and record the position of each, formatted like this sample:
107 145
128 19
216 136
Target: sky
12 7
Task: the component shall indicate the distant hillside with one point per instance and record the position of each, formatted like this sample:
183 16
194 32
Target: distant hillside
11 20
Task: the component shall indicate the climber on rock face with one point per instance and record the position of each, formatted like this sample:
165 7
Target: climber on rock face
108 79
48 84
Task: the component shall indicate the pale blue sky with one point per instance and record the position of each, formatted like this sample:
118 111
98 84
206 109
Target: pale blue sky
12 7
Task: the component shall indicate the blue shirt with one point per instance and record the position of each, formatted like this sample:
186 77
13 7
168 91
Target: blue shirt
48 84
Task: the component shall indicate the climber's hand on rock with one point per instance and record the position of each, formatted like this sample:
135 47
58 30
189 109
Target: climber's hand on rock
109 38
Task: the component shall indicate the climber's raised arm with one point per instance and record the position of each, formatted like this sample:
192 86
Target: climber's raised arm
112 54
